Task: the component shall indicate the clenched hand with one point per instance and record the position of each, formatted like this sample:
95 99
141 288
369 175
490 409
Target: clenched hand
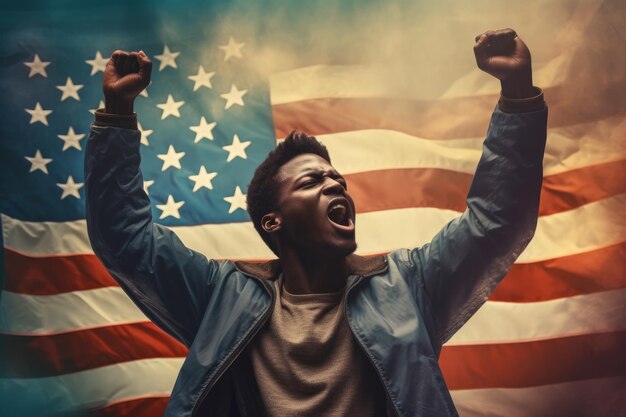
126 75
504 55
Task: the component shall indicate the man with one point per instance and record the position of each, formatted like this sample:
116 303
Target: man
319 331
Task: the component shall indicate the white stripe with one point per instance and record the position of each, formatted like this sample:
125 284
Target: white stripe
545 74
99 387
77 310
385 81
377 149
567 149
503 322
224 241
323 81
586 228
585 144
494 322
599 397
592 226
361 81
219 241
46 238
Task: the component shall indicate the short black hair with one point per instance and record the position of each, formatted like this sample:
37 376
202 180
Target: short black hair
261 196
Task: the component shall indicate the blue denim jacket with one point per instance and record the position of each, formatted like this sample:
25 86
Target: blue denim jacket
400 307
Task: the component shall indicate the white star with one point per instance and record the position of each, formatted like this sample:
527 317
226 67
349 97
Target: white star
203 179
37 67
171 158
71 139
147 184
236 149
38 114
38 162
201 79
100 106
234 96
232 49
170 107
98 63
203 131
167 58
237 200
144 134
170 208
70 89
70 188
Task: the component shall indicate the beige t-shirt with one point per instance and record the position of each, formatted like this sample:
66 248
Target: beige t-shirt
307 363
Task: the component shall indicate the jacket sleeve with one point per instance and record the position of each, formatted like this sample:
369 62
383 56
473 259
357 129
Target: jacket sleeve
461 266
169 282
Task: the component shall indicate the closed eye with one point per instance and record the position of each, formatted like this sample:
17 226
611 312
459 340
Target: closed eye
312 181
309 183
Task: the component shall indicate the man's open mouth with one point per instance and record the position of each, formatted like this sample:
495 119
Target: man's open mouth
340 213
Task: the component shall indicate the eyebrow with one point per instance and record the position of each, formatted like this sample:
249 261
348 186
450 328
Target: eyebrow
316 171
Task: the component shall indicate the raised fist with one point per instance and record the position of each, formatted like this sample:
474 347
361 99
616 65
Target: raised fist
504 55
126 75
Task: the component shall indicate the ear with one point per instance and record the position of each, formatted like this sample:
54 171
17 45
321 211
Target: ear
271 222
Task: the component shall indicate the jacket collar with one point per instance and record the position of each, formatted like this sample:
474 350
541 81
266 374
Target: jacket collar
357 265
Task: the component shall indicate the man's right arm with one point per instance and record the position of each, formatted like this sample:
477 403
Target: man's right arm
168 281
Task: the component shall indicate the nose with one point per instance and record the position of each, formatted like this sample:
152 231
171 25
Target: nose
333 186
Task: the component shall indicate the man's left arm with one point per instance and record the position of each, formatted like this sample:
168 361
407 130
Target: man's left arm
465 261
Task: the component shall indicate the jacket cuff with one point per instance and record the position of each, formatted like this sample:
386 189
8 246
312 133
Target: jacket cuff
115 120
522 105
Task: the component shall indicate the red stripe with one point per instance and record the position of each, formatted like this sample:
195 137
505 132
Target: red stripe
435 119
571 189
41 356
418 118
429 187
598 270
410 187
54 274
598 397
517 365
585 273
142 407
445 189
465 367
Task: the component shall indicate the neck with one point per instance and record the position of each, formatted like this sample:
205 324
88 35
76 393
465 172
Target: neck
307 275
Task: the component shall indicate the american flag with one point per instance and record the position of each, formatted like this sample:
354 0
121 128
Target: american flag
392 90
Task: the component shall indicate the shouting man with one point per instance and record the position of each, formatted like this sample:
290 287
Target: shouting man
318 331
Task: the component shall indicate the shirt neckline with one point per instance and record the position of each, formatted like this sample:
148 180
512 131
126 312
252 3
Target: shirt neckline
321 298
